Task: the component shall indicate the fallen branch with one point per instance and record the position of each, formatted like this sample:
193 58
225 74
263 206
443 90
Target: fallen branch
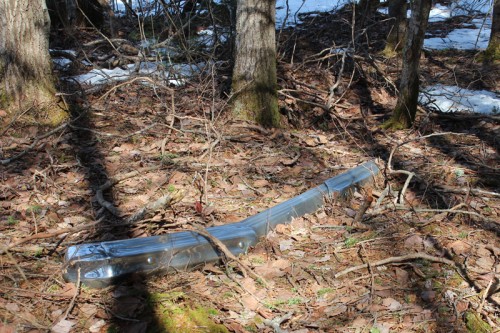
44 235
400 259
451 211
152 207
99 196
227 253
277 321
73 299
461 190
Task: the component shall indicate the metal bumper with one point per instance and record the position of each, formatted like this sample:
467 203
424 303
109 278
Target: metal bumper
101 264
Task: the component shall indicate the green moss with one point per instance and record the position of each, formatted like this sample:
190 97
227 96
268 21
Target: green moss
475 324
173 317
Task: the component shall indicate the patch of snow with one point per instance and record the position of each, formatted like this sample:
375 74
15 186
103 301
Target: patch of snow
452 99
460 39
295 7
175 74
439 13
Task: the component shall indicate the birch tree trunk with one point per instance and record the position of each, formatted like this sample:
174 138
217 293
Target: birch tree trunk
254 75
26 81
406 107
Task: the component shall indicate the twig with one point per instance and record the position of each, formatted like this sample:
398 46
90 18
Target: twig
113 181
389 161
30 147
14 261
17 116
391 260
485 294
406 184
227 253
151 207
72 302
451 211
362 209
458 190
44 235
277 321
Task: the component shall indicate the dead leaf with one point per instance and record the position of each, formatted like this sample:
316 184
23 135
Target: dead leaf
97 325
414 242
311 142
4 328
459 247
485 264
286 244
63 326
269 271
401 276
335 310
250 303
260 183
391 304
12 307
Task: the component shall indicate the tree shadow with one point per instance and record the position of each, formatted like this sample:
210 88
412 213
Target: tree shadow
130 309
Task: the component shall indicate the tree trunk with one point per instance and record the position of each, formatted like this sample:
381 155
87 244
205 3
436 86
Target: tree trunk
26 81
395 38
254 75
406 107
493 51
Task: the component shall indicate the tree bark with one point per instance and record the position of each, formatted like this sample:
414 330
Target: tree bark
26 81
493 51
406 107
395 38
254 83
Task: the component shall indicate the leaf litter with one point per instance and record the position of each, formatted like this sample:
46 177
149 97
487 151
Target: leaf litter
229 170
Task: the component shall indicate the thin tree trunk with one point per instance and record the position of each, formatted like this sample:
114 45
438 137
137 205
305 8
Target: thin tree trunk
395 38
254 75
26 80
406 107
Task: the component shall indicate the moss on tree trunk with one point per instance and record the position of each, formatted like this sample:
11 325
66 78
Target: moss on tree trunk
254 83
26 81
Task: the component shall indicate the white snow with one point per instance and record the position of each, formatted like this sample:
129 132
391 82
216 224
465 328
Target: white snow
303 6
439 13
465 38
175 74
452 99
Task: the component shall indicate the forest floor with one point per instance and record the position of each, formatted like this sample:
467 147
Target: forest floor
432 258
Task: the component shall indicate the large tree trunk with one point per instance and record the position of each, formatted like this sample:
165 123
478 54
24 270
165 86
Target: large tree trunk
395 38
254 75
26 81
493 51
406 107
